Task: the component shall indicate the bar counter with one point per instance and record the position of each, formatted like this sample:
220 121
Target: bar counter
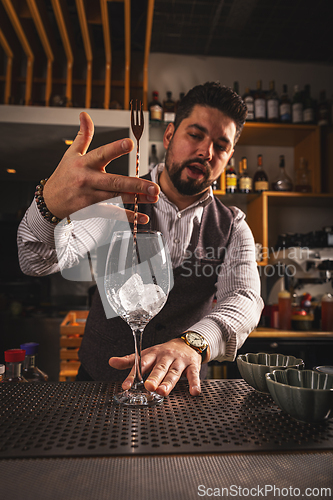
70 440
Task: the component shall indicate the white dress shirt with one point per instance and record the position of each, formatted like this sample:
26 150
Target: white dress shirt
238 306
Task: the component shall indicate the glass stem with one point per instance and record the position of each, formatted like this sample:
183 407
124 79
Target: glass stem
138 380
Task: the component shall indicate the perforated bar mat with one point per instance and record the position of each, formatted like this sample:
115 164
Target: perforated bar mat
252 475
81 418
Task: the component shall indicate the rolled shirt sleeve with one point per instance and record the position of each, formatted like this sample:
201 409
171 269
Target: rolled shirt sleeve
239 304
35 242
45 249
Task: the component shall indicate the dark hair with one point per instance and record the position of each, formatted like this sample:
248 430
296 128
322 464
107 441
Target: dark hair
214 95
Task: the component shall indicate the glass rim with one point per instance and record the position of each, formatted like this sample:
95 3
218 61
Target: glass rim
139 231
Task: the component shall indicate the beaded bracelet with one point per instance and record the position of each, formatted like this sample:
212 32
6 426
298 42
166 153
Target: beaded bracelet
41 204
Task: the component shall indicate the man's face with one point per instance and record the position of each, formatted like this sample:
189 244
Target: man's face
199 150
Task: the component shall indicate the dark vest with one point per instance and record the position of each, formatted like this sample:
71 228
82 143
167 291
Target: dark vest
189 300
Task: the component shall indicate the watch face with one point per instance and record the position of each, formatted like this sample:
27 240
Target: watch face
195 339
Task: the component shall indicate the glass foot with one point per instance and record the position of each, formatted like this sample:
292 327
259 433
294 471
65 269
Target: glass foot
137 397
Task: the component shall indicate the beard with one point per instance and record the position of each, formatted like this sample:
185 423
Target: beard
189 186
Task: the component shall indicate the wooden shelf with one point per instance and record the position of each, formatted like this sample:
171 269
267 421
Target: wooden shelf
277 198
261 332
259 205
295 199
276 134
305 139
71 333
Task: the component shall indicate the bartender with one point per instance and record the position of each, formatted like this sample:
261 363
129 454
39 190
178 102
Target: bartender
211 246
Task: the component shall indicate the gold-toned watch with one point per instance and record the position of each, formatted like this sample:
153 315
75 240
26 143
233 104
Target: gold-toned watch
197 342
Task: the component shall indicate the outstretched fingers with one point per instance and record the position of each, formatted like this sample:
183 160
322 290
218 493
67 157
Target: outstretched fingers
84 136
126 187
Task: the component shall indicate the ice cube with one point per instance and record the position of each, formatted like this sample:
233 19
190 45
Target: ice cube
153 298
131 293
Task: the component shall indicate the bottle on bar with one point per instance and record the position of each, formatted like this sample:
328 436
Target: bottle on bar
283 182
327 313
231 177
30 370
181 95
272 103
14 359
153 160
297 106
302 177
323 110
249 102
285 105
240 170
260 178
309 108
259 104
236 87
216 184
284 302
155 109
245 181
169 108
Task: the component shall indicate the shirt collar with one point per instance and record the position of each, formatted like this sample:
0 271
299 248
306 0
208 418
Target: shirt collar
205 199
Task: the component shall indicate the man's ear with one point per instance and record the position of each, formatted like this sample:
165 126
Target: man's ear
168 134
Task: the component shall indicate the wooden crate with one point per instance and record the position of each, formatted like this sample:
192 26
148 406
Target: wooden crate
71 333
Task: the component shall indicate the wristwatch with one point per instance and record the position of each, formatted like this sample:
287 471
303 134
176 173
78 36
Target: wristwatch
197 342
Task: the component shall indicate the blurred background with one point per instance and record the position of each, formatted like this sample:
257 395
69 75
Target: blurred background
59 57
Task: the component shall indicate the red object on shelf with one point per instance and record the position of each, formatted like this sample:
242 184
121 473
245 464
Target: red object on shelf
14 355
275 316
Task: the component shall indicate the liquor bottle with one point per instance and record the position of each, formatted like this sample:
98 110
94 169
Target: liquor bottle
236 87
285 105
30 371
2 372
153 160
297 106
302 174
249 102
308 109
327 313
259 104
231 177
155 109
14 359
272 103
181 95
169 108
284 301
216 185
283 182
245 181
260 179
323 109
240 170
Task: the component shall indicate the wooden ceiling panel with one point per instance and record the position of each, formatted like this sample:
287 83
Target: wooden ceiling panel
62 43
17 25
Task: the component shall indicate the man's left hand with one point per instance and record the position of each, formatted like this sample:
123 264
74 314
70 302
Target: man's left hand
166 362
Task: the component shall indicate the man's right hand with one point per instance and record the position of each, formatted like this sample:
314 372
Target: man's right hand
80 180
